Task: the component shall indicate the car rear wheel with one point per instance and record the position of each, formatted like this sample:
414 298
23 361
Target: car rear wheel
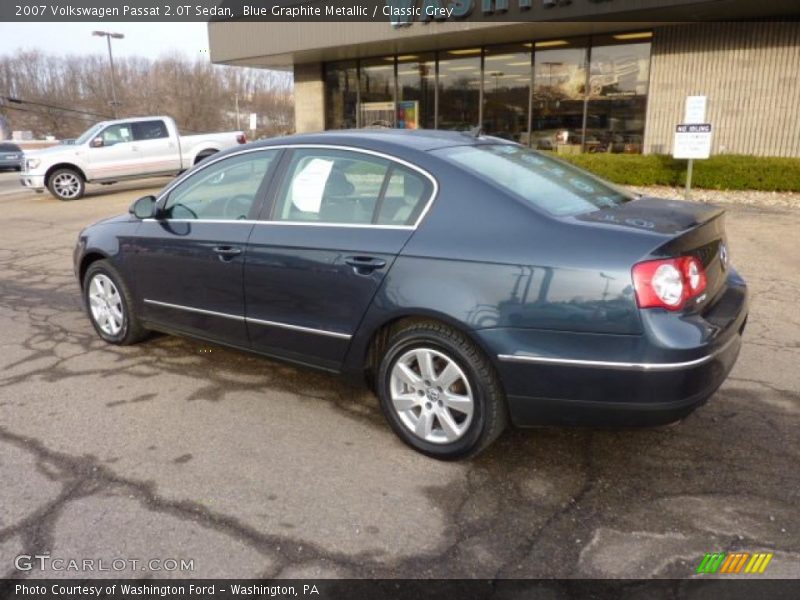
439 392
110 305
66 184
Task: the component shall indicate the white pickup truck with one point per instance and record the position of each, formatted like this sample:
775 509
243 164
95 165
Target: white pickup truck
118 150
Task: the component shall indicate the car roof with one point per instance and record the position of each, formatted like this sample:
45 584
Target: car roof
387 139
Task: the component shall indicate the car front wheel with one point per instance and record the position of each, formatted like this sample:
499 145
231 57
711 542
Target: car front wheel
66 184
439 392
110 305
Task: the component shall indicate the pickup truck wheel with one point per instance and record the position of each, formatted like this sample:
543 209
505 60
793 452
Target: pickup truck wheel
204 155
66 184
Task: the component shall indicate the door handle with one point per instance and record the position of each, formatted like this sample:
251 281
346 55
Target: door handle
364 265
135 148
227 253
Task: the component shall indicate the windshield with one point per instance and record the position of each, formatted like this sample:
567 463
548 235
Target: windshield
88 134
551 185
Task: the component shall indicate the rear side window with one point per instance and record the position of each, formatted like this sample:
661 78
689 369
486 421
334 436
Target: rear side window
340 186
149 130
549 184
406 195
9 148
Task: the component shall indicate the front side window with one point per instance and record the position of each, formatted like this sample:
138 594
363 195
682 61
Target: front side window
149 130
226 190
549 184
339 186
89 134
117 134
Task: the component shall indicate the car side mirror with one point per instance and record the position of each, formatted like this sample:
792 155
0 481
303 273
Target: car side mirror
97 142
144 207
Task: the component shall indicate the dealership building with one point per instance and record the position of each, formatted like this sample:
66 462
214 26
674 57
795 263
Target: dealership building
579 75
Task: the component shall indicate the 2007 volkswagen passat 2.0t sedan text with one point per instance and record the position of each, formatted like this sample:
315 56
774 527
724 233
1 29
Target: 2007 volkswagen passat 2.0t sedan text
469 280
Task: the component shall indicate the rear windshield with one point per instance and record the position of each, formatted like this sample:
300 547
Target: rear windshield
9 148
551 185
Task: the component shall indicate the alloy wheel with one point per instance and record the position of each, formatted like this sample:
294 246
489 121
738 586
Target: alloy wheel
431 395
67 185
105 304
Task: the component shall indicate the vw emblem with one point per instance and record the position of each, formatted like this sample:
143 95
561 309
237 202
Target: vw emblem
723 255
433 394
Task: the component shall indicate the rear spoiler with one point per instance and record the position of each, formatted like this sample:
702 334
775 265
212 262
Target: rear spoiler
673 216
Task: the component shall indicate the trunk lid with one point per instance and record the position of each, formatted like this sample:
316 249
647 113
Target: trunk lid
685 228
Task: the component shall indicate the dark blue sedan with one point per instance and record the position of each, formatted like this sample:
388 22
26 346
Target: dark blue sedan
469 280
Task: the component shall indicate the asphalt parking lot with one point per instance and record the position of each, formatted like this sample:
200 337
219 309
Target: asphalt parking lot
174 449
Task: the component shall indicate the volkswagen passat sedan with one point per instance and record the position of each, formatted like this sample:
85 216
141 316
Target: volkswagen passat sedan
470 280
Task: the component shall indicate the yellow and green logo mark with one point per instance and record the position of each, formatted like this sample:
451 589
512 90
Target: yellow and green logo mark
735 563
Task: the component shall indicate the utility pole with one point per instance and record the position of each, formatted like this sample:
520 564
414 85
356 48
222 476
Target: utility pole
238 125
117 36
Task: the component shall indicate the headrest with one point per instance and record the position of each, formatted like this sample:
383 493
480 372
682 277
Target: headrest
338 185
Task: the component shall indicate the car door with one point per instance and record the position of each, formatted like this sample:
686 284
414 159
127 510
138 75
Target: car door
189 261
115 154
158 152
335 224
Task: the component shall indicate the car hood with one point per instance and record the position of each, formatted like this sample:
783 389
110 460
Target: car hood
60 148
125 218
668 217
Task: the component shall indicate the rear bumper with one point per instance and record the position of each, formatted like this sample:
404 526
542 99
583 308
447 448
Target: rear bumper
621 395
34 182
567 378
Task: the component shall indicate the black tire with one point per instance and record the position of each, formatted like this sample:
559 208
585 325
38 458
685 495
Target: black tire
489 412
58 186
130 330
204 155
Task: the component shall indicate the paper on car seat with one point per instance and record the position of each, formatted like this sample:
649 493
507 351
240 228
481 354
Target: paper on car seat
309 185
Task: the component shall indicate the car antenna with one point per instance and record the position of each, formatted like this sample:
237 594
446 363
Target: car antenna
476 132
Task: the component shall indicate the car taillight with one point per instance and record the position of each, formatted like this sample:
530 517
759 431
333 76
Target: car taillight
241 138
668 283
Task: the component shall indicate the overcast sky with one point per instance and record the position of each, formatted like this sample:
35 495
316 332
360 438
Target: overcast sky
141 39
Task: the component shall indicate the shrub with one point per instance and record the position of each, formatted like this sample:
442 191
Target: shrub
721 172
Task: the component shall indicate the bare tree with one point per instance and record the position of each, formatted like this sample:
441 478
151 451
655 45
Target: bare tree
62 96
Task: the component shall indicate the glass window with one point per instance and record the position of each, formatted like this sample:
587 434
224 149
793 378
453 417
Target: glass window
459 89
331 186
547 183
506 91
90 133
338 186
377 92
226 190
149 130
558 95
116 134
341 95
618 80
406 194
416 91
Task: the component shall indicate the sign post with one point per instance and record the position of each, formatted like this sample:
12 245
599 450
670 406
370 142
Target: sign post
692 141
693 137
